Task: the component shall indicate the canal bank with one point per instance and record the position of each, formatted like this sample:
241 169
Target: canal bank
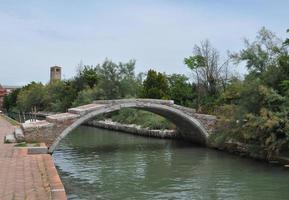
24 176
134 129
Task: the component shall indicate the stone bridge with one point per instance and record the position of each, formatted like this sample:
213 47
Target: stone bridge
191 125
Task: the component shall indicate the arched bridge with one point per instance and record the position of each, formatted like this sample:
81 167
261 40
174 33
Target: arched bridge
191 125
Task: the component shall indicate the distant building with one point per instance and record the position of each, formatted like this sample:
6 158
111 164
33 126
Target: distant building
10 88
5 90
2 95
55 73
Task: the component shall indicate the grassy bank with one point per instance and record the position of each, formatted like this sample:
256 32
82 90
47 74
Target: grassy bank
10 120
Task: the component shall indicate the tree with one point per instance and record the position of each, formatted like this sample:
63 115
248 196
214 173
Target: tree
180 90
155 86
209 74
88 95
117 80
205 63
31 96
286 42
59 96
232 94
195 62
9 102
89 75
261 53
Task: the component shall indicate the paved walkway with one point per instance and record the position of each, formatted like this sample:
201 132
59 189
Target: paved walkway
26 177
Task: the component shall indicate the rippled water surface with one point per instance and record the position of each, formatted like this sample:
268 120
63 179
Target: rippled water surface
100 164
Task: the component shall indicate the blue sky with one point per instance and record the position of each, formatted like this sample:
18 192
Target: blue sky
158 34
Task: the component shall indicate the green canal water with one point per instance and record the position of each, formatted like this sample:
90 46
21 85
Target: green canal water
101 164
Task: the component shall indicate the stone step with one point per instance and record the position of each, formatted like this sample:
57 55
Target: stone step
82 110
274 162
10 138
61 117
19 135
41 149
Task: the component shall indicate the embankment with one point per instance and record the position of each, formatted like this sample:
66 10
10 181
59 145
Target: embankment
134 129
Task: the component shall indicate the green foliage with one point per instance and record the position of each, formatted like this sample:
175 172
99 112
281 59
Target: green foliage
194 62
286 42
261 53
284 86
59 96
143 118
232 94
89 76
226 127
86 96
254 96
31 96
9 102
276 74
181 91
270 129
117 80
259 104
155 86
106 81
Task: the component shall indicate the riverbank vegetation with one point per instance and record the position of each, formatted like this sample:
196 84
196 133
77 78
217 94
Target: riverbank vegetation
252 110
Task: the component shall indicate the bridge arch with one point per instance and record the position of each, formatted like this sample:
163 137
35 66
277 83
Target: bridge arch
189 127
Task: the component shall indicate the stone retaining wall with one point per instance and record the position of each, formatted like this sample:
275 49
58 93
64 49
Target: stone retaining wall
134 129
46 130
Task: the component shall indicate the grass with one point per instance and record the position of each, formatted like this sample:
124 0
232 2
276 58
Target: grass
24 144
10 120
143 118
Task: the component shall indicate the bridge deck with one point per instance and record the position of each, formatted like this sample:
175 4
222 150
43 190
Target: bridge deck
61 117
82 110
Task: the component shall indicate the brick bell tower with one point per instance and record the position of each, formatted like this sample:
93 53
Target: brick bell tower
55 73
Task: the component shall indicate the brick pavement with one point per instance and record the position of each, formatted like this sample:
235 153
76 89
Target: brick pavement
26 177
